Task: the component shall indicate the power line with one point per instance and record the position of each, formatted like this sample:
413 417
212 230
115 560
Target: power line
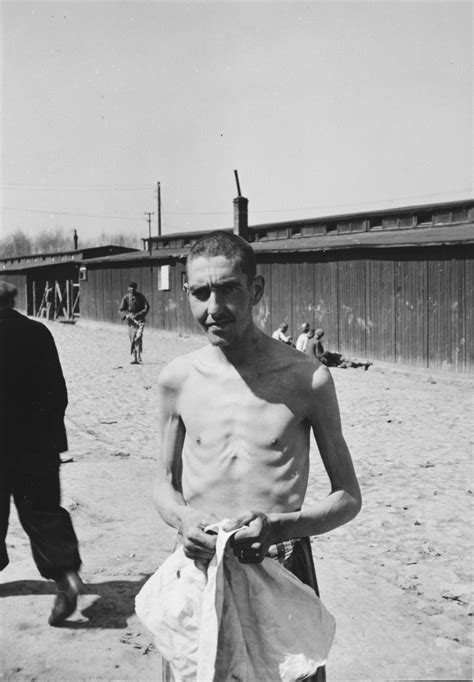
320 207
76 215
74 188
198 212
26 188
133 188
412 197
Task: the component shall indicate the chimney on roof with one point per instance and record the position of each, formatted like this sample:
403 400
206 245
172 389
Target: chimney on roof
241 217
241 213
76 240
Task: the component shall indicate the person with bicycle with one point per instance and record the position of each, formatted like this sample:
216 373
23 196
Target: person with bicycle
134 308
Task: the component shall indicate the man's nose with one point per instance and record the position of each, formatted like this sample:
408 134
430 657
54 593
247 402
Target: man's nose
214 303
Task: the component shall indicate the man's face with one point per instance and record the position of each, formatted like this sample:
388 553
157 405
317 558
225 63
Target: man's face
132 290
221 298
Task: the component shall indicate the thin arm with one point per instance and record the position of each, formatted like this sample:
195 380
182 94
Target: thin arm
167 494
344 500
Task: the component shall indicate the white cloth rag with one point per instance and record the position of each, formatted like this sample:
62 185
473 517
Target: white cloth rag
233 621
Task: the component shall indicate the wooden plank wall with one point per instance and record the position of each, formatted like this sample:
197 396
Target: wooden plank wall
325 300
105 286
263 312
281 300
352 306
468 341
414 307
303 298
447 321
409 306
410 331
380 309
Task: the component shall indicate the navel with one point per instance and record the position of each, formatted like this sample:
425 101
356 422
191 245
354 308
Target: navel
198 440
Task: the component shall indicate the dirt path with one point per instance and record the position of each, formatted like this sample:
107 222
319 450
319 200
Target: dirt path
397 579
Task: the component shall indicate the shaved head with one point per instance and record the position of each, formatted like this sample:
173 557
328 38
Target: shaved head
226 244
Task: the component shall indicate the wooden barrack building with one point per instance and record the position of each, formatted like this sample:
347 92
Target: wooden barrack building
394 285
49 283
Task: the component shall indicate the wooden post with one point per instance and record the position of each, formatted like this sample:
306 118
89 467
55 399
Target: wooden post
77 298
43 306
33 296
159 209
68 299
57 293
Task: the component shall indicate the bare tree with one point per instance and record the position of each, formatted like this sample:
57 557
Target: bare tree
52 240
15 244
19 244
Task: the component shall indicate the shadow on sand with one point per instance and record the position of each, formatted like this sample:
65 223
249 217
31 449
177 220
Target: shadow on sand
115 604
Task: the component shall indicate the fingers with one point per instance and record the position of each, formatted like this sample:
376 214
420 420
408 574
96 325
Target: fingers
249 544
197 536
197 553
253 530
236 522
244 519
199 545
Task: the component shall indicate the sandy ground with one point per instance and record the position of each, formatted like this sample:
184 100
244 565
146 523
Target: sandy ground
397 579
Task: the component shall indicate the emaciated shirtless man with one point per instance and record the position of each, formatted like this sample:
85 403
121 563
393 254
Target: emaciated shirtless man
236 418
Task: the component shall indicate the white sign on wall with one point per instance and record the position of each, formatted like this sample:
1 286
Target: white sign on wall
163 278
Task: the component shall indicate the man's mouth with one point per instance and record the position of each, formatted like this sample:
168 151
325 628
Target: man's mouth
216 325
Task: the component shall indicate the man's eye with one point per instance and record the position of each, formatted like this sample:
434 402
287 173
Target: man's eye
201 294
229 288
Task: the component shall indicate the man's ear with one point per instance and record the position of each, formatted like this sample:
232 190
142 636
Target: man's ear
258 288
186 288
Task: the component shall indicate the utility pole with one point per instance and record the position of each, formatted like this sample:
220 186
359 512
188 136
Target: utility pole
149 229
158 188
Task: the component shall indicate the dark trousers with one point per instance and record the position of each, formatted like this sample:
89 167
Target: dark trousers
301 564
331 359
33 482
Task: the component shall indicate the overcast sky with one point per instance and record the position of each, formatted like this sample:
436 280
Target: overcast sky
323 107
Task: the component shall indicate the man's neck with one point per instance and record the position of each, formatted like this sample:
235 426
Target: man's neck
246 351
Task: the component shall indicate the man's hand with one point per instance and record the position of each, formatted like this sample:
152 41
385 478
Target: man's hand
250 545
197 544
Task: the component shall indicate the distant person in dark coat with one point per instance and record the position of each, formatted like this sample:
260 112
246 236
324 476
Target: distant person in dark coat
315 348
134 308
33 399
